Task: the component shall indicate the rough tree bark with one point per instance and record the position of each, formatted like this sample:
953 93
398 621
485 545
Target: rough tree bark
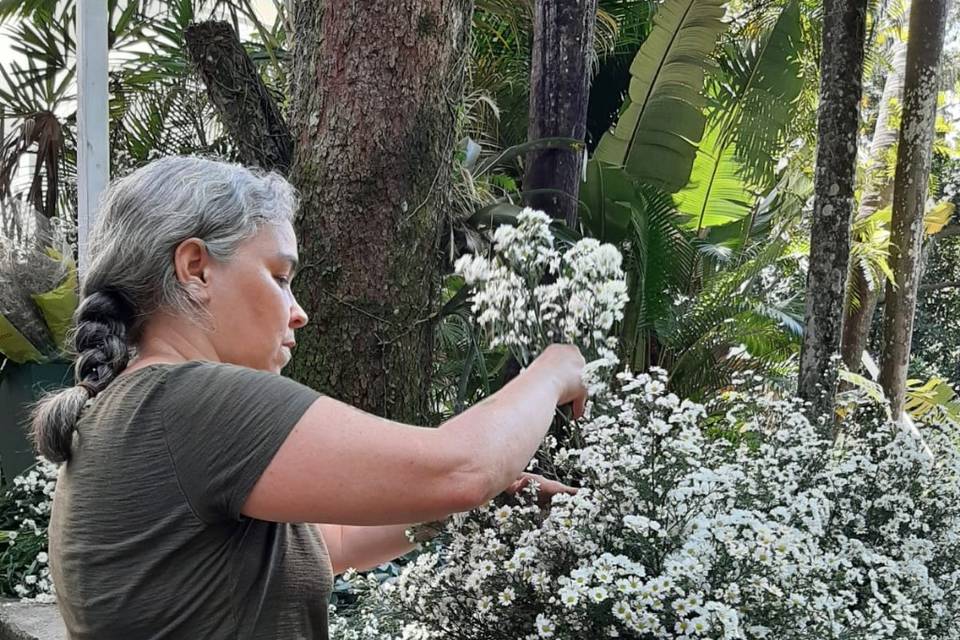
877 195
924 48
841 70
246 108
559 92
374 94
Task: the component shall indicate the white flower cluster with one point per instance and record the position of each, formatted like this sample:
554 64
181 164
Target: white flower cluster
746 526
531 294
732 520
26 509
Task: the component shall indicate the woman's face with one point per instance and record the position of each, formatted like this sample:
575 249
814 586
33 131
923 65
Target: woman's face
254 312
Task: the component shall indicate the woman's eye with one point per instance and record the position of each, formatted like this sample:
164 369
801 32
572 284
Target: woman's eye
283 280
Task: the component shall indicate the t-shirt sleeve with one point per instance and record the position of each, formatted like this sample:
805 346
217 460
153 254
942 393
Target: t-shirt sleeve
223 425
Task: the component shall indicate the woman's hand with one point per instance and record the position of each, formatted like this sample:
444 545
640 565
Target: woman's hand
548 488
565 364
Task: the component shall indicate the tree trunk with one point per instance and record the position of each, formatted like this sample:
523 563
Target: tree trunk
375 90
924 48
246 108
877 195
559 92
841 69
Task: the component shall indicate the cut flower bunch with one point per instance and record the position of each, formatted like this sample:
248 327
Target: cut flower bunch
38 284
732 520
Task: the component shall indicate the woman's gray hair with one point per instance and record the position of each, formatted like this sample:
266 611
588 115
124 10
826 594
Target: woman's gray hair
142 219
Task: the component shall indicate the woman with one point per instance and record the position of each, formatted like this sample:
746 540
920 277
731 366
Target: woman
191 466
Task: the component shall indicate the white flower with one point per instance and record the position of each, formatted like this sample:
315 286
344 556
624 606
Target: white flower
545 626
622 610
569 596
507 596
598 594
484 604
700 625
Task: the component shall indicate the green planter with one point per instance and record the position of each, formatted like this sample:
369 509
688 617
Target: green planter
20 386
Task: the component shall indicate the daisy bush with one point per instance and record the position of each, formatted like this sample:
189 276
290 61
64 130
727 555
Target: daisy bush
24 518
735 519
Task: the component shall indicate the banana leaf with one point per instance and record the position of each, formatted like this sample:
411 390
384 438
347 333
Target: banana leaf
655 139
58 305
14 346
754 104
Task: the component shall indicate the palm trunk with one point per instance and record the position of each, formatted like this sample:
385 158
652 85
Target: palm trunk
375 89
841 70
877 195
559 90
925 46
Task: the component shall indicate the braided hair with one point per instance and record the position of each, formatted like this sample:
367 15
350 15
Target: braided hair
100 342
143 217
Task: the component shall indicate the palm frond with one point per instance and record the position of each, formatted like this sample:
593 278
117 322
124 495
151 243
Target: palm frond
756 96
726 330
659 261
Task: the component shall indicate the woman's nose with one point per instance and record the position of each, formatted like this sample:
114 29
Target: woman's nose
298 317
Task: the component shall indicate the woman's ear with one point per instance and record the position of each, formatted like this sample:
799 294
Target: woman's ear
191 263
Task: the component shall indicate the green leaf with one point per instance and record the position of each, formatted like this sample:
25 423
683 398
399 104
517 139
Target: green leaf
716 194
873 390
58 305
496 214
757 97
937 217
14 346
606 199
510 153
725 330
754 104
659 262
925 398
656 136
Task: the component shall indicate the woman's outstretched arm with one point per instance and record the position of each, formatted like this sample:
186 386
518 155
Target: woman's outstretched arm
342 465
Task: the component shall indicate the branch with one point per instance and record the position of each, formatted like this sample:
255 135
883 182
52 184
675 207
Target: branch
241 99
935 286
948 231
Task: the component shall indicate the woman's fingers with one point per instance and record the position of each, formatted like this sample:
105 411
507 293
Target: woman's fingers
548 488
579 404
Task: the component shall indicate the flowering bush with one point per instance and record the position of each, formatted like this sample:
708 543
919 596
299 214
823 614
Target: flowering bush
731 520
24 517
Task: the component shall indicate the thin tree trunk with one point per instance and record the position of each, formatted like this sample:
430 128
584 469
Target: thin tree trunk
841 70
559 92
375 94
246 108
925 46
877 195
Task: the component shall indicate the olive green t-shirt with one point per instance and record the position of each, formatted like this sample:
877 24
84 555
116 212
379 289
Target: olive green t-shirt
146 536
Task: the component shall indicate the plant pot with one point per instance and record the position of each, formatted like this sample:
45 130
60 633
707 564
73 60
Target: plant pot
21 385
